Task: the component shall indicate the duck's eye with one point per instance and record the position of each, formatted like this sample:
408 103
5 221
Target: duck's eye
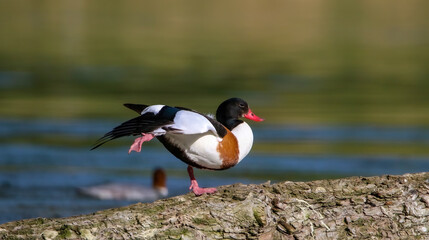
241 105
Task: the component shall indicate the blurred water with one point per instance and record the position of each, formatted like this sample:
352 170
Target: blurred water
39 179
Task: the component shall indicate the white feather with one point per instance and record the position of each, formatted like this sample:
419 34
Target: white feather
153 109
210 116
202 148
244 136
192 123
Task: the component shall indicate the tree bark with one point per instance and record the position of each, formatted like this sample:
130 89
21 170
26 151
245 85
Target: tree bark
385 207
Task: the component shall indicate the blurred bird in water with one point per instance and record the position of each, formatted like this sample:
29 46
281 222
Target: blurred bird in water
121 191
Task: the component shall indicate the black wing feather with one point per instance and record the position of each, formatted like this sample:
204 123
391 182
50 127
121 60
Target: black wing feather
142 124
136 107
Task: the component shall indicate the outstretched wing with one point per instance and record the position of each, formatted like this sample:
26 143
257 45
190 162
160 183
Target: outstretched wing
142 124
160 119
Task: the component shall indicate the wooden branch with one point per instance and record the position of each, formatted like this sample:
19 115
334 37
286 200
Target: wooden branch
395 207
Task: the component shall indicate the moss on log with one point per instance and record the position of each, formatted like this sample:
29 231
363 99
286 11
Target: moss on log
395 207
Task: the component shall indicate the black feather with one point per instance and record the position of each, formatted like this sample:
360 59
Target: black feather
136 126
136 107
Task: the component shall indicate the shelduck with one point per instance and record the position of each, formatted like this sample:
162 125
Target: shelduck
197 139
133 192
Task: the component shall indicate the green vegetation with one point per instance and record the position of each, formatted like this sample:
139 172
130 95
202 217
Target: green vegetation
296 62
65 231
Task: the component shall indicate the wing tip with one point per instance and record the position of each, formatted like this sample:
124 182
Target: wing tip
98 144
136 107
106 138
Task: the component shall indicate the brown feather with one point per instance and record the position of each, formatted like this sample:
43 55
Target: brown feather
228 150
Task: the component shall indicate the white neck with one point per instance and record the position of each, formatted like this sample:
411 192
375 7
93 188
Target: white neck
244 136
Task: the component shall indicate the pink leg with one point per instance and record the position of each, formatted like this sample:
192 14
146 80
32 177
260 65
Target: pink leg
137 145
194 185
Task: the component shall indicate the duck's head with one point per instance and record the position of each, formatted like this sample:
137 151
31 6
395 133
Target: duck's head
232 109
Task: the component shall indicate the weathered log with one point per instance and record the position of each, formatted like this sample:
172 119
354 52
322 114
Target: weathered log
386 207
